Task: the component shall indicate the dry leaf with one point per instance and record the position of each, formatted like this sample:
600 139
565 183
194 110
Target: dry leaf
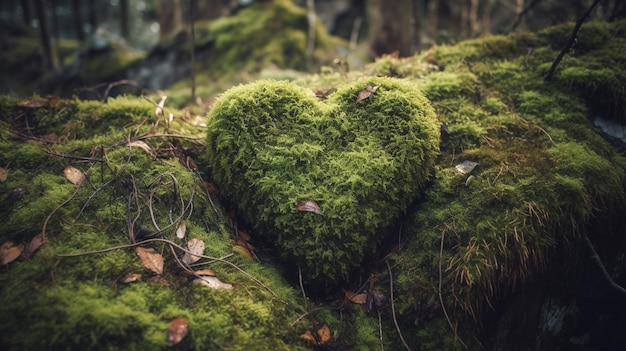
9 252
35 243
142 145
32 103
309 206
196 247
181 230
177 331
366 92
243 250
159 110
74 175
131 277
244 235
150 259
3 175
213 283
308 337
466 166
324 334
157 279
356 298
207 271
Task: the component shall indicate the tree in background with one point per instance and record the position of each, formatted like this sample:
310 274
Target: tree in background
49 56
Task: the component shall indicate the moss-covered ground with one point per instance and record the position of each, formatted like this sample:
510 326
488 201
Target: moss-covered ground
477 261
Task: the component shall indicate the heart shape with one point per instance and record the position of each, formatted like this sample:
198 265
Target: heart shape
280 154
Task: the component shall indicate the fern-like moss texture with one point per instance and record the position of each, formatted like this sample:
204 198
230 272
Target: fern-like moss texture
272 146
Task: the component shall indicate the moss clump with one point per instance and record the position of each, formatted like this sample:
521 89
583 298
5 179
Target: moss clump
138 185
273 145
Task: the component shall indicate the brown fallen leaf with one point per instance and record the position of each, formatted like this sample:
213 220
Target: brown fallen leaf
150 259
356 298
157 279
74 175
243 250
207 271
142 145
3 175
32 103
324 334
9 251
308 337
244 235
181 230
309 206
131 278
196 247
177 331
366 92
35 243
213 283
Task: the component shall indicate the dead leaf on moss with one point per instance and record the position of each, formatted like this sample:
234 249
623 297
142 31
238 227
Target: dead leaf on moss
213 283
74 175
177 331
32 103
309 206
131 278
157 279
366 92
206 272
323 336
142 145
150 259
35 243
244 235
196 247
242 250
3 175
466 166
9 251
356 298
308 337
159 110
181 230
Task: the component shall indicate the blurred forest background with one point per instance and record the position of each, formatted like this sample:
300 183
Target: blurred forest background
56 46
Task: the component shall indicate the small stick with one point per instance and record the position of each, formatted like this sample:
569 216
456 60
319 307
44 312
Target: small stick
393 309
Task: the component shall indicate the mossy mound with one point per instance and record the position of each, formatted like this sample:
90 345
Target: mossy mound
273 146
139 183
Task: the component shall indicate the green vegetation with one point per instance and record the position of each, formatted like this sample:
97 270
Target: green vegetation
466 250
273 146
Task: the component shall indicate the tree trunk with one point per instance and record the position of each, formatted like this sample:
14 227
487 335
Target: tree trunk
49 56
93 17
78 20
26 14
391 27
170 18
124 19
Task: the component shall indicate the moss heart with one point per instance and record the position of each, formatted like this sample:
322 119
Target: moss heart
278 153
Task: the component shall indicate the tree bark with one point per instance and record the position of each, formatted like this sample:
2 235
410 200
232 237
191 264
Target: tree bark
93 17
49 56
392 27
170 18
78 20
26 14
124 19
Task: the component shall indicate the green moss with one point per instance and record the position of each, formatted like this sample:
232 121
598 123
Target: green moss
272 145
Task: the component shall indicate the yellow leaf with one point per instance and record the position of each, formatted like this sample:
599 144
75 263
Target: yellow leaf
356 298
324 334
3 175
308 337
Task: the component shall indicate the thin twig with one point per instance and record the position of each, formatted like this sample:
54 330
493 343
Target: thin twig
520 16
443 307
570 42
596 258
393 309
169 242
45 223
306 303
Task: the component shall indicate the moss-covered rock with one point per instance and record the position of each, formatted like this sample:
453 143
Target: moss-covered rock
273 146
